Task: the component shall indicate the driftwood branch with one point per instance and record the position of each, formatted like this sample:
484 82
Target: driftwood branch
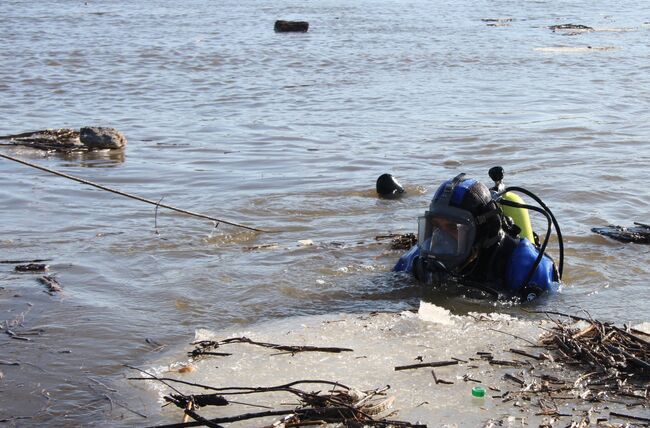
205 347
421 365
341 405
52 284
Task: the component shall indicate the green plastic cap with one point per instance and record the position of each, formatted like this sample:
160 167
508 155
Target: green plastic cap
478 391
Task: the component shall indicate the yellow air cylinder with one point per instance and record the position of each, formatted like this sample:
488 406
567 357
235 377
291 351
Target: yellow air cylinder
519 216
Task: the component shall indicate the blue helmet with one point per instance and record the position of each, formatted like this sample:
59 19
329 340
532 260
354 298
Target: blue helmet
461 220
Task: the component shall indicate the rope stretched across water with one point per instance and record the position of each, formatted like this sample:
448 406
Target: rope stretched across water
128 195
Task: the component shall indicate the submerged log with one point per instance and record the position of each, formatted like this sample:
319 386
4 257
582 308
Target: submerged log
53 286
291 26
638 234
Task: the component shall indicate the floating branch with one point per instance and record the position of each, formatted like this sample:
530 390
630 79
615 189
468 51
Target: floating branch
53 286
61 140
129 195
24 261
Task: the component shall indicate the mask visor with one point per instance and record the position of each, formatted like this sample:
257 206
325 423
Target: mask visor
443 237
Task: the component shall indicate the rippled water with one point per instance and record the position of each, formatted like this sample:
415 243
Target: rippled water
288 132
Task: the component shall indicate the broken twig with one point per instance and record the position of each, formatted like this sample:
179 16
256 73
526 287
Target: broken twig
421 365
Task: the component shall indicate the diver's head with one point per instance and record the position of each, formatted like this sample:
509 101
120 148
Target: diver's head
388 187
461 221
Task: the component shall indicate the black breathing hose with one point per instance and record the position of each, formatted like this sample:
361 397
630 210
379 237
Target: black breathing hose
550 213
538 260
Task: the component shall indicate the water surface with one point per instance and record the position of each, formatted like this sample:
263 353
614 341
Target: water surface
288 132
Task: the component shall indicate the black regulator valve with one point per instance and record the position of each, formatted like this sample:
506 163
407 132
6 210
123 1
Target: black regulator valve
496 174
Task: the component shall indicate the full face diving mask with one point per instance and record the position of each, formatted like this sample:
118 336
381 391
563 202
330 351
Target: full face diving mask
446 234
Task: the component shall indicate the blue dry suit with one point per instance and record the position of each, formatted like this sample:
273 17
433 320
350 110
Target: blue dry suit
517 268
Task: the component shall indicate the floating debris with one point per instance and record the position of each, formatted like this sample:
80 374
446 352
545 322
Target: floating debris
53 286
497 22
496 19
570 29
575 49
271 246
70 140
638 234
24 261
291 26
399 241
31 267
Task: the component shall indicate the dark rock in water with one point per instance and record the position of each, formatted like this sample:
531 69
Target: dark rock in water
639 234
99 138
291 26
388 187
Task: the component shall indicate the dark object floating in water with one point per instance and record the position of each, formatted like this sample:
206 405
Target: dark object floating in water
497 22
31 267
53 286
100 138
399 241
291 26
639 234
571 28
70 140
388 187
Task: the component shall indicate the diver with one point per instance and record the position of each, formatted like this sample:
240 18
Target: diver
468 238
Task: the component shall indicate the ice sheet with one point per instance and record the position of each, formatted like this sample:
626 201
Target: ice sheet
380 342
